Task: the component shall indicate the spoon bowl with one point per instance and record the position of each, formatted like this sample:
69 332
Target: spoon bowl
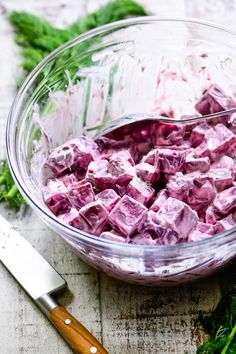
129 119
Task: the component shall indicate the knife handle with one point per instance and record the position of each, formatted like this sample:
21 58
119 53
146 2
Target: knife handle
77 336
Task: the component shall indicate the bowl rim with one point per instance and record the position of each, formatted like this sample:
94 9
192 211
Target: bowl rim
75 234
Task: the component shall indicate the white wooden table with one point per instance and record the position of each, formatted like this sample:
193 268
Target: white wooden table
127 319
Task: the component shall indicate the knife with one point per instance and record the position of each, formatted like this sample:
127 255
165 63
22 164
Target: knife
41 281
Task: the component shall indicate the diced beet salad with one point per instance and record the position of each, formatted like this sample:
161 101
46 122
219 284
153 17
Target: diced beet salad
150 183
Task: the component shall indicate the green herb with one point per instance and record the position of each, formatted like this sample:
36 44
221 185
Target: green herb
8 190
38 38
221 324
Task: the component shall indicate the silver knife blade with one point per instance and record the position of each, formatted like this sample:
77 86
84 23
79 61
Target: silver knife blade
28 267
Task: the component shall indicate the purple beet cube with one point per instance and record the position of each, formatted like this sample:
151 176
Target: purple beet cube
73 218
80 194
224 162
201 195
151 226
140 149
232 123
225 201
198 179
167 134
127 215
217 142
99 176
153 158
147 172
169 237
206 228
201 164
109 198
210 216
172 161
179 216
121 170
197 235
222 177
68 179
195 189
123 154
74 155
231 152
226 138
142 139
188 127
214 100
96 216
178 186
112 236
55 197
198 134
161 198
120 189
140 191
158 230
226 223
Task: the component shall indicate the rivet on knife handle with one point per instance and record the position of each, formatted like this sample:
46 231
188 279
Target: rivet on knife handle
78 337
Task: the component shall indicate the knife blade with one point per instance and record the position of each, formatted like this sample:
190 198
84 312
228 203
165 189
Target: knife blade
41 281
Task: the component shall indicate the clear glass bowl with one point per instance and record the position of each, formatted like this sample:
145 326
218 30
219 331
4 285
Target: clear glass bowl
138 65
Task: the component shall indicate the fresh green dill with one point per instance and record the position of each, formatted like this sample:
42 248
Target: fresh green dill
8 190
37 37
221 324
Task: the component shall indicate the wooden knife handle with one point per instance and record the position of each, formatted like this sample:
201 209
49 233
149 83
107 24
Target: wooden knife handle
77 336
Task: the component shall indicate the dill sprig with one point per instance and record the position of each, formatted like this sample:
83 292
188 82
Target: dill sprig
37 37
220 325
8 190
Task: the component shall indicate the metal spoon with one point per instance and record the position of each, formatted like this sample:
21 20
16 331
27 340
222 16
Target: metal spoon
139 117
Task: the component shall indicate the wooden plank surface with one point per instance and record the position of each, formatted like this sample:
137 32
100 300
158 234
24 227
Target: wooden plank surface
128 319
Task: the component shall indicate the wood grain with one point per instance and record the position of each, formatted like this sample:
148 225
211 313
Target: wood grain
127 319
154 320
75 333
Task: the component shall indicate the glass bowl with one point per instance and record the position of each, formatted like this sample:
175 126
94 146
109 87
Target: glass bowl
150 64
